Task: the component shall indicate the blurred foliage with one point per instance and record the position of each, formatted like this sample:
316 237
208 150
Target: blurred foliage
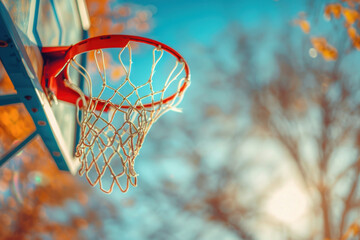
346 11
15 122
31 183
337 113
109 17
30 186
303 23
322 46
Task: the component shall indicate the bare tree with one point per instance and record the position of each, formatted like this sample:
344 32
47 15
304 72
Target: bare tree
308 107
312 105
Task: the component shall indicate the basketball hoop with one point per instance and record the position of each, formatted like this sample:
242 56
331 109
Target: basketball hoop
115 116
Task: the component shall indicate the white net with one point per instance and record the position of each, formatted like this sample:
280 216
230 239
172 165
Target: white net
118 114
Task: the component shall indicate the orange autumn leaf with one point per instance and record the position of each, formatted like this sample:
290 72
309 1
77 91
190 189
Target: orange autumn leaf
304 25
333 10
6 86
356 43
353 230
15 123
117 73
328 52
352 33
350 15
354 36
118 28
106 19
124 11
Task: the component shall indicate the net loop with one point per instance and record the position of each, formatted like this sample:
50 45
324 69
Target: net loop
111 137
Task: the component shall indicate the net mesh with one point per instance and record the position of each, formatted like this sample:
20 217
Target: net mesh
116 118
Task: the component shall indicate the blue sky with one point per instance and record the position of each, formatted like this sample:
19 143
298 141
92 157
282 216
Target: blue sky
189 26
183 21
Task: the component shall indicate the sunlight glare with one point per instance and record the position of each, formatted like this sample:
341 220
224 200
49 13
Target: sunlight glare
288 203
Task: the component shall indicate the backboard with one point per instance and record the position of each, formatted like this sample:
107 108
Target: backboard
26 26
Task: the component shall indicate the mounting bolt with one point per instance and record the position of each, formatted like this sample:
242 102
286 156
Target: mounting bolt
41 123
56 154
3 44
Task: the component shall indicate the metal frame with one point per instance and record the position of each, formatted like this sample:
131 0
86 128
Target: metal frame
9 99
29 92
